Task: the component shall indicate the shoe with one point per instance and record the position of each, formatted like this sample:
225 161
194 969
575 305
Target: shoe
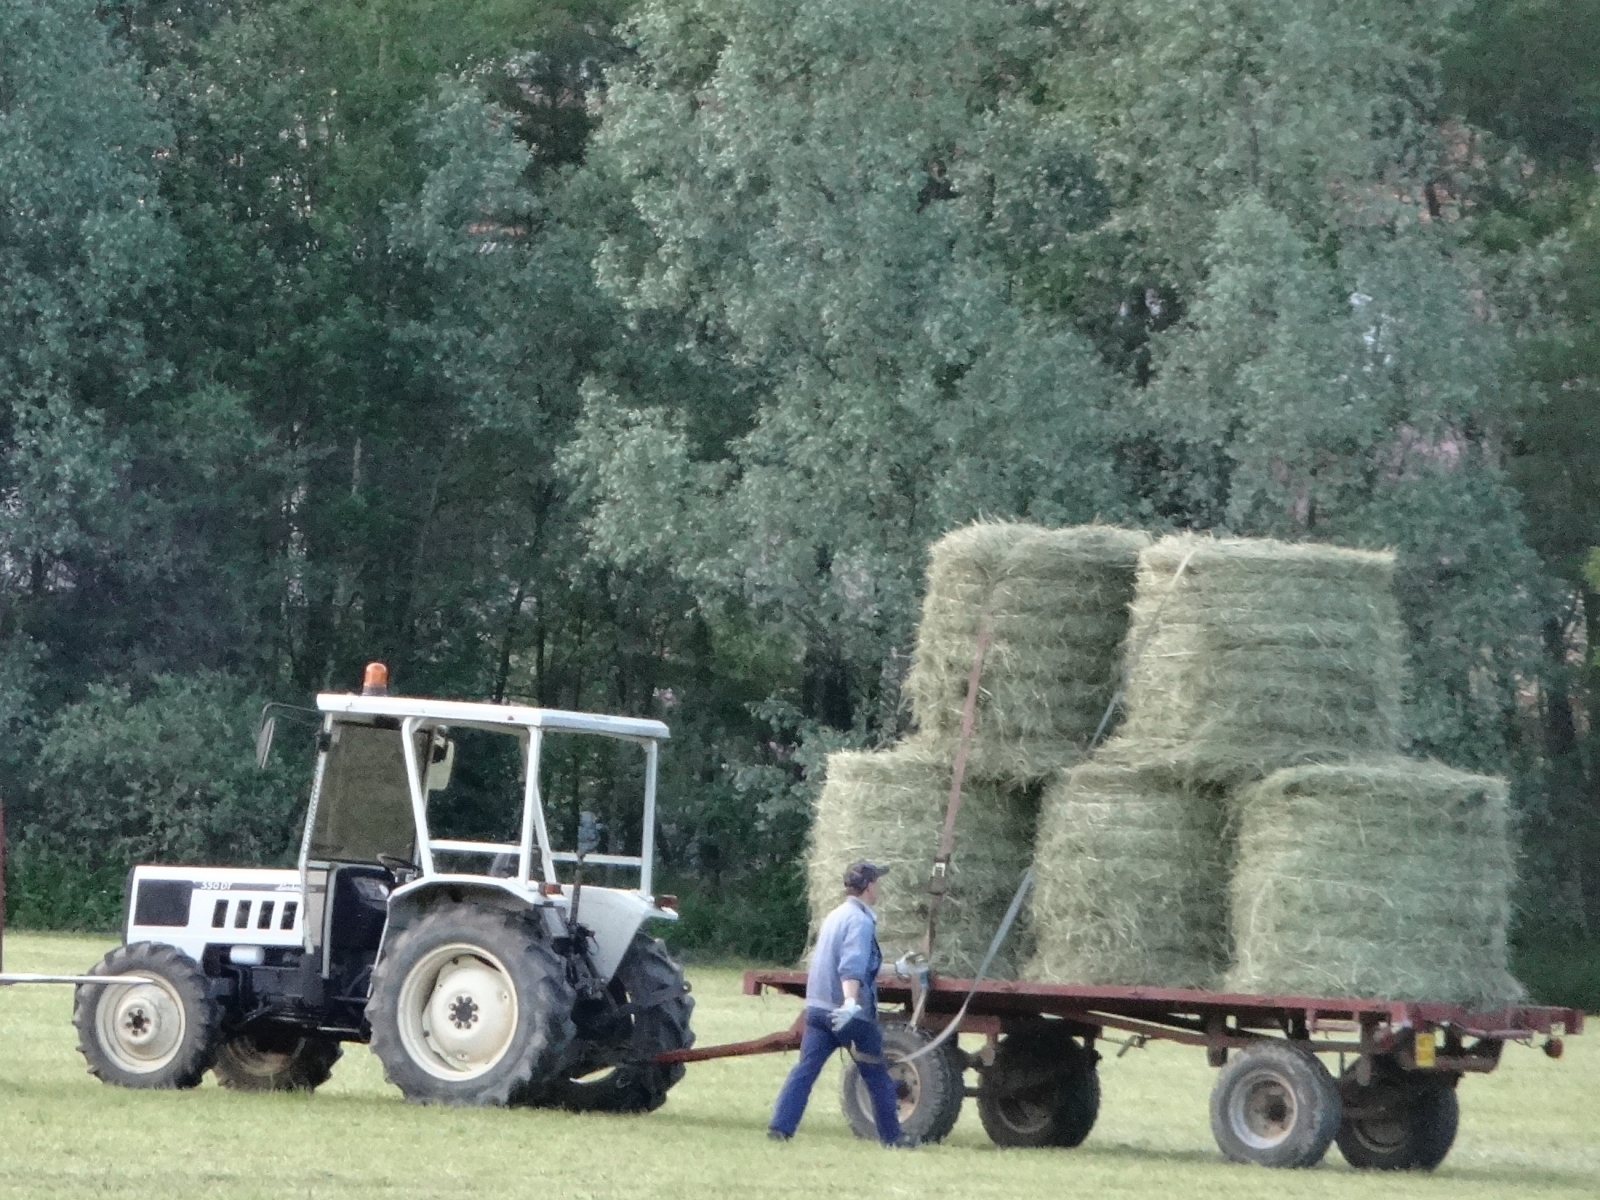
905 1142
778 1135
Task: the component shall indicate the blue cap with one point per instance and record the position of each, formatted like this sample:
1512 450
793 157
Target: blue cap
859 874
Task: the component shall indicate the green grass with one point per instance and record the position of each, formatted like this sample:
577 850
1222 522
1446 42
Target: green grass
1532 1129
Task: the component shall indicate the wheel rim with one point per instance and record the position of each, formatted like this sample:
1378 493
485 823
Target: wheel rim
141 1025
1027 1112
1262 1109
458 1012
907 1088
1383 1128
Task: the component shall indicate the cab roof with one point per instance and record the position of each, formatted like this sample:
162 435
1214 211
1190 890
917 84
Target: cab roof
491 716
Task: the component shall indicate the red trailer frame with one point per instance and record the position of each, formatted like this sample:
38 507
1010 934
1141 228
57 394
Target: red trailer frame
1274 1103
1223 1021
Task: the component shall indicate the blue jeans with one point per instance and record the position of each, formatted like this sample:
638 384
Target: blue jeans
817 1042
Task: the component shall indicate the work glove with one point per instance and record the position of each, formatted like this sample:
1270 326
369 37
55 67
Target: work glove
843 1015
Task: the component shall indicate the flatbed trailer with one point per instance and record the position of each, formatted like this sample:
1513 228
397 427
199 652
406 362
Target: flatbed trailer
1391 1103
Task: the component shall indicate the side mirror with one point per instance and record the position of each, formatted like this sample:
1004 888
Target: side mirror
441 761
264 740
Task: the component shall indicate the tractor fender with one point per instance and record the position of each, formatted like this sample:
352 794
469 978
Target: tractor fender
411 902
614 915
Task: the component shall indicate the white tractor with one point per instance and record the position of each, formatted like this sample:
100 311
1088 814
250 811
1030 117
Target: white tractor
477 975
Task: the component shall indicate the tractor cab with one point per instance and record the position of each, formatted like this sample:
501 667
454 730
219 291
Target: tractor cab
372 859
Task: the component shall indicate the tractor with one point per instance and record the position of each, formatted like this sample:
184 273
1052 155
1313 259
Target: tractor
474 971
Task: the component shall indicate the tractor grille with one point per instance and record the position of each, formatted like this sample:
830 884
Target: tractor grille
240 911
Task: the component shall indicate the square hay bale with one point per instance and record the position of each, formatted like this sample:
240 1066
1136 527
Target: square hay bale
1388 879
889 806
1058 602
1260 655
1131 880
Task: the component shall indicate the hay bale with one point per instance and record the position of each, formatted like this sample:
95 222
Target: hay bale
1261 655
1386 880
1131 880
889 807
1058 602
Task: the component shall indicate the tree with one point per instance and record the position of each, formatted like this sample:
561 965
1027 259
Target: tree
833 206
82 245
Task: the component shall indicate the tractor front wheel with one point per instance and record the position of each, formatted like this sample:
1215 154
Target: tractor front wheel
470 1006
159 1033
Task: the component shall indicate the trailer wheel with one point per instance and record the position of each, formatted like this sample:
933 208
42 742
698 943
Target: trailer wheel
1041 1090
469 1006
1275 1105
651 984
276 1058
1400 1121
930 1089
158 1034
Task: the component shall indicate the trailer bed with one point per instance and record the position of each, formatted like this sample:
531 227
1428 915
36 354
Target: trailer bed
1222 1020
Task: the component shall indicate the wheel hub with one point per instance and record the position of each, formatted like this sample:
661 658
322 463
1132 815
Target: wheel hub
1380 1123
1263 1110
463 1012
907 1089
1028 1112
141 1026
458 1012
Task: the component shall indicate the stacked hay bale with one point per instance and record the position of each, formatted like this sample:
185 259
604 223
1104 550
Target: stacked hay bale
888 807
1057 603
1383 879
1131 884
1057 611
1248 655
1251 825
1244 655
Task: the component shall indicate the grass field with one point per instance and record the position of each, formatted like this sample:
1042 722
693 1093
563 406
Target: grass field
1532 1129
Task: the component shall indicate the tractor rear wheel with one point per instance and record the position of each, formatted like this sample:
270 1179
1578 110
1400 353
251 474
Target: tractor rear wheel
157 1034
469 1006
1042 1090
616 1075
276 1058
930 1088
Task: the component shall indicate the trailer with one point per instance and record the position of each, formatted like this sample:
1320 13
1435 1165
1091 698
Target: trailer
1390 1104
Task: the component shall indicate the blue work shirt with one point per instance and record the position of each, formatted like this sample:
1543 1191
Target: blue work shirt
847 948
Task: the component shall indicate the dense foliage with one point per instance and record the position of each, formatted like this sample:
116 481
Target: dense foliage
629 358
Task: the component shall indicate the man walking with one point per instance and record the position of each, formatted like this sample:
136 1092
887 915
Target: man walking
842 1009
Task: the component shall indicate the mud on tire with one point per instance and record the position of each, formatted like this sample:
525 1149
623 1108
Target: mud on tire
469 1006
160 1034
276 1058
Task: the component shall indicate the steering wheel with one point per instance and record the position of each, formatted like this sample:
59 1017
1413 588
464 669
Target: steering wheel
402 871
